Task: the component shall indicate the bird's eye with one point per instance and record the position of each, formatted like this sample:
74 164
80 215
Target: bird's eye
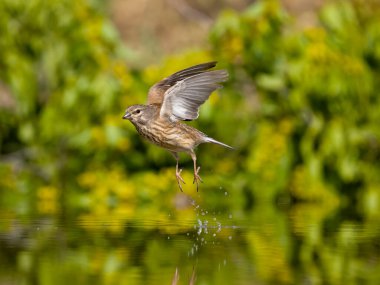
137 112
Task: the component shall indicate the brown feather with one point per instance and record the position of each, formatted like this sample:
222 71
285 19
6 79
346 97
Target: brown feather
157 91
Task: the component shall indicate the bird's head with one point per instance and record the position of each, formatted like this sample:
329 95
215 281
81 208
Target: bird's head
138 114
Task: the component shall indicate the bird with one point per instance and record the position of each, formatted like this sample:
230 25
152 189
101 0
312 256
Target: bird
172 100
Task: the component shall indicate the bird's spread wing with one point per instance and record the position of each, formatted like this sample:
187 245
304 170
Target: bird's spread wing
183 99
157 92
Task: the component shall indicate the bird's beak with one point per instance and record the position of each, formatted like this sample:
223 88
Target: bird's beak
127 116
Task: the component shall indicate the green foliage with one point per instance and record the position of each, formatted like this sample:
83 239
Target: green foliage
317 86
65 79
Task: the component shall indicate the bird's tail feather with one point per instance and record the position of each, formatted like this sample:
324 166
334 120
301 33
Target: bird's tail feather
211 140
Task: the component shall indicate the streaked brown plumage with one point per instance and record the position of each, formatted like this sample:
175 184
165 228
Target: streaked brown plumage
174 99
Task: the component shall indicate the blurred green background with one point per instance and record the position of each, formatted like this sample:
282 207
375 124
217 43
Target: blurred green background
301 108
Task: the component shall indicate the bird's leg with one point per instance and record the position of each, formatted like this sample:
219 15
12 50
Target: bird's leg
178 172
196 169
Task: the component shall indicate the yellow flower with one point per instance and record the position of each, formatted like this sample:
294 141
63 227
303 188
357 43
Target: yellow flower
47 193
47 200
87 179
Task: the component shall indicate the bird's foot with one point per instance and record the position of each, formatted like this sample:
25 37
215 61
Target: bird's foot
197 178
179 179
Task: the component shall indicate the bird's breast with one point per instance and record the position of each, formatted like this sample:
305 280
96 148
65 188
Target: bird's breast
175 137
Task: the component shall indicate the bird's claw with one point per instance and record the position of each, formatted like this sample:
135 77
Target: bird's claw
197 177
179 179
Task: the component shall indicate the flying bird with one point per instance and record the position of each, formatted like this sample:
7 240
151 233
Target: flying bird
172 100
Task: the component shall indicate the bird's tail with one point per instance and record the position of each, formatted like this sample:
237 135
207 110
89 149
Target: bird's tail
211 140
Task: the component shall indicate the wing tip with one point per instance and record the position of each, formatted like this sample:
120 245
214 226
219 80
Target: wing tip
207 65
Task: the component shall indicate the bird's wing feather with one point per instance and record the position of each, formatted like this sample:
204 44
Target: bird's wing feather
157 91
182 101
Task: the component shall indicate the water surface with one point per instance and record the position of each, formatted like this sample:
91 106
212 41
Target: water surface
267 244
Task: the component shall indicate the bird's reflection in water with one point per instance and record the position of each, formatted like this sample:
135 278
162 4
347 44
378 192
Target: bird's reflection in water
176 277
